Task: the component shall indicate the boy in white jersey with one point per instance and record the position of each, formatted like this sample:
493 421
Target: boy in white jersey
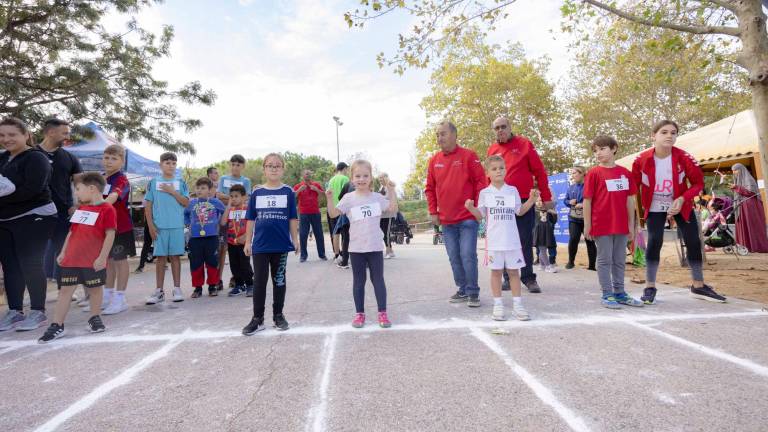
499 204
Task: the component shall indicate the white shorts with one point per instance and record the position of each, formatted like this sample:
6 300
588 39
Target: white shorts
509 259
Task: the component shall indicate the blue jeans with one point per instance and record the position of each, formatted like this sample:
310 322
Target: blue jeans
461 244
314 221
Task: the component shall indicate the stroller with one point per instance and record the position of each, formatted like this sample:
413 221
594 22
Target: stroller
718 234
399 230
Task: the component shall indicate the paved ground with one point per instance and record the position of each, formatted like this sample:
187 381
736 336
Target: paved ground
682 365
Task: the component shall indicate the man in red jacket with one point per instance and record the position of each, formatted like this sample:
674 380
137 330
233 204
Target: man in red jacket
523 165
455 175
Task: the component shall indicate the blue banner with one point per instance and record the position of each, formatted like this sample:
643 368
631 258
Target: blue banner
558 184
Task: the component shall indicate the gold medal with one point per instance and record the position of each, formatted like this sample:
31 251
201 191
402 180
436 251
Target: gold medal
202 233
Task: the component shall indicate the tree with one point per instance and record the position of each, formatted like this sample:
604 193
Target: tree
742 21
56 58
628 76
476 83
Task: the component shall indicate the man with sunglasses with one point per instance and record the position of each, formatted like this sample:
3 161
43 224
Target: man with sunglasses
523 165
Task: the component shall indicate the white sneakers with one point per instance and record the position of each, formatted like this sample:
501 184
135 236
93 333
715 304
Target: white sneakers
178 296
520 313
552 268
116 306
498 313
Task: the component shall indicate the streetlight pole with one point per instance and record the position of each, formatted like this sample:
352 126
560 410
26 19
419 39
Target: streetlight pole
338 123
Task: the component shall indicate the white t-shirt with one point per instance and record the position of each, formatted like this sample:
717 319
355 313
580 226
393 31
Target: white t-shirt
662 193
364 213
500 207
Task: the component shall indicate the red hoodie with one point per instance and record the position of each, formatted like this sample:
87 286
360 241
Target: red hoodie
452 179
683 165
522 163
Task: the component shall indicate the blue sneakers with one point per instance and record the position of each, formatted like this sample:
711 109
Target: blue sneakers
236 291
610 302
625 299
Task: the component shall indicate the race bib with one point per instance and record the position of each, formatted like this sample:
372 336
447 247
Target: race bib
228 183
271 201
107 188
617 185
84 217
500 201
237 215
174 183
364 212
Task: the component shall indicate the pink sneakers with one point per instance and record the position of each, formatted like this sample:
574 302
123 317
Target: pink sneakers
359 320
384 321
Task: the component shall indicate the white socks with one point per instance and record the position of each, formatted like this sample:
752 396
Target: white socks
497 301
517 301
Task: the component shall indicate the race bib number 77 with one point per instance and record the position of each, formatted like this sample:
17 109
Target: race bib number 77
84 217
617 185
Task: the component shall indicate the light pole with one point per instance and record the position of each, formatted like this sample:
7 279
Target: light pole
338 123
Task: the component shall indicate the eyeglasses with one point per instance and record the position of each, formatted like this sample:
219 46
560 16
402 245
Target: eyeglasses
500 127
274 167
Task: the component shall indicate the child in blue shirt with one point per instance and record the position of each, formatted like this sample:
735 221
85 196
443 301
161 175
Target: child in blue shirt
166 198
271 232
236 166
202 215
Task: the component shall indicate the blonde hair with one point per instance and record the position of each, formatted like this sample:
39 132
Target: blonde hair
360 163
494 158
273 155
580 169
116 150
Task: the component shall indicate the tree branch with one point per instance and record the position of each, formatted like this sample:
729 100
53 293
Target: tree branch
703 29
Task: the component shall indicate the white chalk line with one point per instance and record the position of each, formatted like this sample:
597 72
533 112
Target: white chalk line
722 355
99 392
542 392
447 324
317 413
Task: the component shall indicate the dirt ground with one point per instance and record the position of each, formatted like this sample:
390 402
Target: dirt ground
742 277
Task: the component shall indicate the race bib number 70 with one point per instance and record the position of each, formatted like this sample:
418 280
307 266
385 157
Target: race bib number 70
364 212
271 201
617 185
84 217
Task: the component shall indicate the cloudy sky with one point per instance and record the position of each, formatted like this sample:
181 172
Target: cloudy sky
282 69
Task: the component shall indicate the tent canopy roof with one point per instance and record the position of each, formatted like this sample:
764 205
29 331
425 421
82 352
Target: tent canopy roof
729 138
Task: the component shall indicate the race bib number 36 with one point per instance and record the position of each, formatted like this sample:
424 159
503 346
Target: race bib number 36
500 201
84 217
364 212
617 185
271 201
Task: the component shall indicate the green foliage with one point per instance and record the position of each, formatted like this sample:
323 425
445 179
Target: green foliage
414 211
56 58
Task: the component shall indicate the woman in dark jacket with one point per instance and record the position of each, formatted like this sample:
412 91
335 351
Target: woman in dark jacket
27 218
574 199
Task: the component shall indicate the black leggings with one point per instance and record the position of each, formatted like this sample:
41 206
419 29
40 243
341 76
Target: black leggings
265 264
385 225
22 246
575 230
344 231
690 230
375 262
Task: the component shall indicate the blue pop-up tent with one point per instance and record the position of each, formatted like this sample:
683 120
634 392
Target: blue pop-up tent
91 151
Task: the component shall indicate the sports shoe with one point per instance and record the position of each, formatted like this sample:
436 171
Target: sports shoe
552 268
610 302
473 301
520 313
116 306
178 296
139 269
256 325
302 260
323 258
198 292
342 266
569 266
384 321
626 299
533 287
649 296
213 291
85 302
707 293
280 322
54 331
34 320
157 297
95 325
236 291
498 312
11 319
106 300
458 298
359 320
249 290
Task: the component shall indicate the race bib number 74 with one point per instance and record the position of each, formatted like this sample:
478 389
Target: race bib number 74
500 201
84 217
364 212
271 201
617 185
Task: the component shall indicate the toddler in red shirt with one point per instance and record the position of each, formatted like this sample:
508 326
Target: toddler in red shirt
609 219
83 258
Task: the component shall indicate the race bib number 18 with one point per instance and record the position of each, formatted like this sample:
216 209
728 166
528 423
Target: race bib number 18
500 201
365 211
84 217
271 201
617 185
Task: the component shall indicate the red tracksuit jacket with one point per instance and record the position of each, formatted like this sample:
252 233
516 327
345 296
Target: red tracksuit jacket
684 166
453 178
523 163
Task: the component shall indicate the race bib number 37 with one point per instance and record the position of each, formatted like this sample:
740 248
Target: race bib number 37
617 185
364 212
271 201
500 201
84 217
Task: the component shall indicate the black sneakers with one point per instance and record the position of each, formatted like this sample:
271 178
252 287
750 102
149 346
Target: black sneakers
473 301
256 325
569 265
95 324
280 322
54 331
649 296
533 287
458 298
707 293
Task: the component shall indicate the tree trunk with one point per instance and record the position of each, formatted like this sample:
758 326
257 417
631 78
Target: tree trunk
760 108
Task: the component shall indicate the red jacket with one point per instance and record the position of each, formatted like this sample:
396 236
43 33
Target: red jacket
522 163
452 179
683 166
